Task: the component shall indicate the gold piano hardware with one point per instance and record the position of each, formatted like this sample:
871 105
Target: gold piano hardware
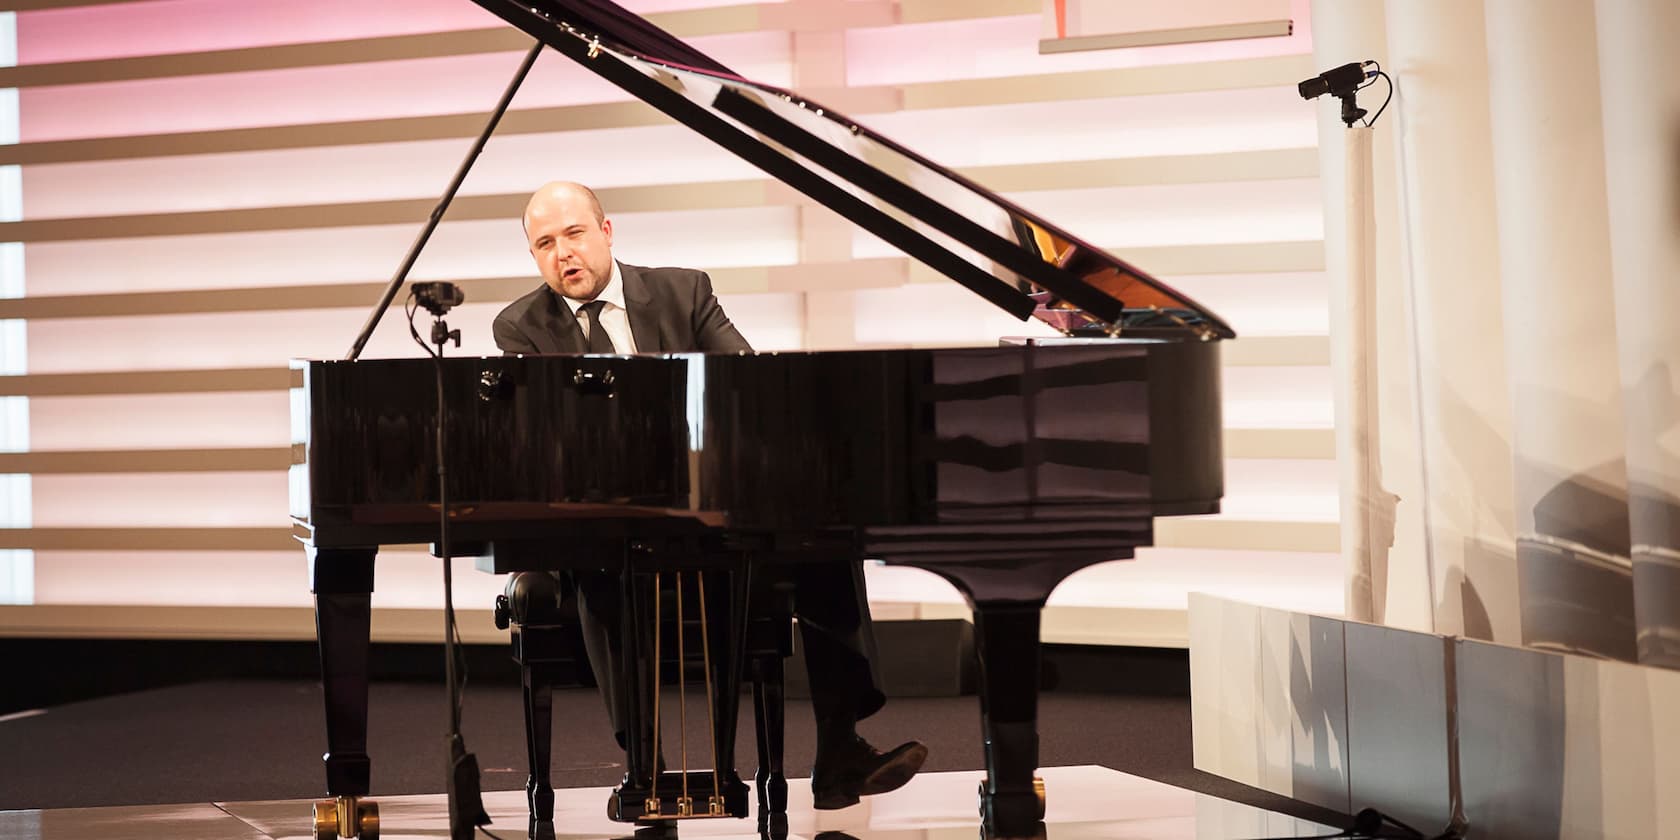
346 817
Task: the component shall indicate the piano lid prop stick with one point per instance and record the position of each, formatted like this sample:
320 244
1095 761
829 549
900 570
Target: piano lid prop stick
443 205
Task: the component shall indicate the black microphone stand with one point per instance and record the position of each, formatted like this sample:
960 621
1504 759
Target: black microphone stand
466 806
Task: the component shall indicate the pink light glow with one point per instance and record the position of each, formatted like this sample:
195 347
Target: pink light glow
374 90
162 27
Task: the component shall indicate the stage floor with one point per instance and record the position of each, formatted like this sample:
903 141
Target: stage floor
1082 803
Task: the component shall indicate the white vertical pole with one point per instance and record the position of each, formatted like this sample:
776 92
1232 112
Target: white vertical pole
1639 80
1570 484
1367 510
1345 31
1439 117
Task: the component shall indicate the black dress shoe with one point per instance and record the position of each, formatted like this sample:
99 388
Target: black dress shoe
856 769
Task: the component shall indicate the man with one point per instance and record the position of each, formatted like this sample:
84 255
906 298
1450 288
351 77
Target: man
591 303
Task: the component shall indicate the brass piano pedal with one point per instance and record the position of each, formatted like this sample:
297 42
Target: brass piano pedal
714 807
346 817
685 806
650 808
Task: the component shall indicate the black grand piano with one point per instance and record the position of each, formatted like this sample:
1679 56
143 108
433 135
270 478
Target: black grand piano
1003 469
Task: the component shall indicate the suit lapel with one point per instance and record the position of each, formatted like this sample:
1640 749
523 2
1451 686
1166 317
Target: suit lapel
644 320
554 328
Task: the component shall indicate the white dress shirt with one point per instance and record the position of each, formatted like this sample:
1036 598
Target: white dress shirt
614 318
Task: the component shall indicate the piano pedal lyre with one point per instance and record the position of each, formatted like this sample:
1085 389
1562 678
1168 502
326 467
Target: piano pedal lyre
346 817
650 807
685 806
714 806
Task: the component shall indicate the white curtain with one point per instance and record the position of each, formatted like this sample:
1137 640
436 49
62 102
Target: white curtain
1530 294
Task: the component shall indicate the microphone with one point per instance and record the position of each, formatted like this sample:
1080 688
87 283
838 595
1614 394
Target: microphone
1338 81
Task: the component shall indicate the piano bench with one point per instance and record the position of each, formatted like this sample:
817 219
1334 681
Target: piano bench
541 612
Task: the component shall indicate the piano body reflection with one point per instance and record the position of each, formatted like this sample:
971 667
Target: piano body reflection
1001 469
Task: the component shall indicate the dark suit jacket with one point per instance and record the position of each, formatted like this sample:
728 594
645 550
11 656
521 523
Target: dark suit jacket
672 310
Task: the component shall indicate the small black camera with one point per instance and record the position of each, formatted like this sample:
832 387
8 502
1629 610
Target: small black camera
1339 81
438 297
1343 83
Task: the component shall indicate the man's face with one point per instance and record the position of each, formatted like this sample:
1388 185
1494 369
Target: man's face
573 250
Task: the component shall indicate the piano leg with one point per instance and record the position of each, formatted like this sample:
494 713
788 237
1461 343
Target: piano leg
539 738
342 580
1006 639
769 713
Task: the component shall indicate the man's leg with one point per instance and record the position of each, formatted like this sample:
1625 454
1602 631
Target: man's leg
839 644
599 617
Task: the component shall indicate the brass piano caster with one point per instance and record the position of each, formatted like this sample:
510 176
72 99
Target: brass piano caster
1038 791
346 817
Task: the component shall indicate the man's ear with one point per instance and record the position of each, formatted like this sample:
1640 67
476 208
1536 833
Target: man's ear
606 228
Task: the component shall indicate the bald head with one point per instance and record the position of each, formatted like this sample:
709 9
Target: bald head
570 238
563 191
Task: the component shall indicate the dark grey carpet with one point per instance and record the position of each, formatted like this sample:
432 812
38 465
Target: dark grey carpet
239 740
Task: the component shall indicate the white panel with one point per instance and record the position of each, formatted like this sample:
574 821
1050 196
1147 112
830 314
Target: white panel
161 420
1319 716
1208 122
1169 214
1164 578
241 339
1185 214
374 90
1084 18
489 248
1263 397
1225 688
768 321
1277 706
269 339
1619 718
113 30
402 579
1008 46
514 163
1664 697
1263 304
1397 724
196 499
1157 579
1299 490
934 313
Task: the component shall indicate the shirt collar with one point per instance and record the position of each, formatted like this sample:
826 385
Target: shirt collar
613 293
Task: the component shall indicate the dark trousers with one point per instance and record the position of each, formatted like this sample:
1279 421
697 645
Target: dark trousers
835 632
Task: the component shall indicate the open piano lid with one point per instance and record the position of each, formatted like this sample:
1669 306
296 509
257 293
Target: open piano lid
1018 261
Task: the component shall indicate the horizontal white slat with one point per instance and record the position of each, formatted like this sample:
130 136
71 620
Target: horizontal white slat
386 89
1008 46
196 621
1263 397
1122 218
403 578
1296 490
1171 125
491 248
159 421
1293 303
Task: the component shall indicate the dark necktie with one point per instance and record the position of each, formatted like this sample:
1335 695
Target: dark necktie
599 341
